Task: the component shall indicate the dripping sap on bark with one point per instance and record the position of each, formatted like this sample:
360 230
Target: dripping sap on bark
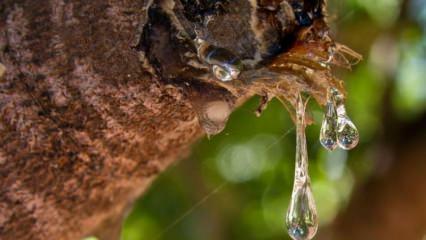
219 51
226 47
188 39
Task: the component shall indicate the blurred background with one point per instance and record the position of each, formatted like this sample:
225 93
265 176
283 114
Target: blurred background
237 185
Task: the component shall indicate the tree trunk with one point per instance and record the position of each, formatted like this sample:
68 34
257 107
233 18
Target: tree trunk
83 129
85 124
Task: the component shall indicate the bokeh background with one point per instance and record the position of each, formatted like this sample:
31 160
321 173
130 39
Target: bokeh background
237 185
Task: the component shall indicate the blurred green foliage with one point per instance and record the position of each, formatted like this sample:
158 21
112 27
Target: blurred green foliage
237 184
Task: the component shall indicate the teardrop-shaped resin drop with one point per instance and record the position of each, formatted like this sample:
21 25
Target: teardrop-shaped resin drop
301 218
347 133
328 136
213 116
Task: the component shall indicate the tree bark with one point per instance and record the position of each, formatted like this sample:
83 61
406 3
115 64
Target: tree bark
84 127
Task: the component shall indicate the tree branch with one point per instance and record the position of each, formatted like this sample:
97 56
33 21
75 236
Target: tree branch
87 121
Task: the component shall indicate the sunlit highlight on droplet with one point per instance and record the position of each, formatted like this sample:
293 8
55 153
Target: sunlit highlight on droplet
225 66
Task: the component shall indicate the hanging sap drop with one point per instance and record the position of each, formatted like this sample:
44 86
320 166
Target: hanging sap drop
328 136
301 218
213 116
347 133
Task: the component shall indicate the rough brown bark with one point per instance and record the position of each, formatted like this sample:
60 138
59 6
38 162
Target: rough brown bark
84 127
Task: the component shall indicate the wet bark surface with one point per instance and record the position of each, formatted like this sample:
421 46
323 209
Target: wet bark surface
91 109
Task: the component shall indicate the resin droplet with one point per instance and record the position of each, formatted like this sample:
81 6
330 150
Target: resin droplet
347 133
221 73
225 65
213 116
328 136
301 216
